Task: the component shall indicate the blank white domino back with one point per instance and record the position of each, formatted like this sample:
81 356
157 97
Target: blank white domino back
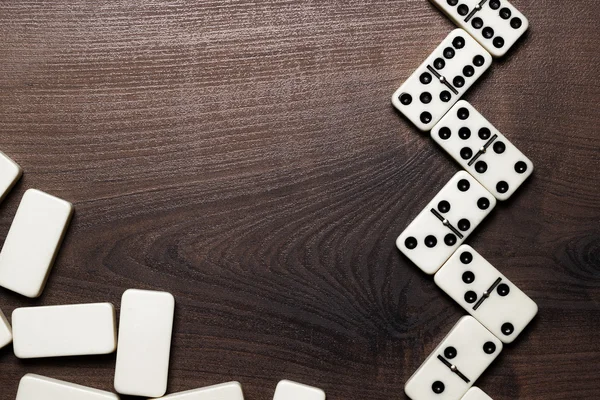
145 329
486 294
69 330
496 24
476 394
10 172
36 387
456 363
482 150
288 390
33 241
224 391
5 331
453 67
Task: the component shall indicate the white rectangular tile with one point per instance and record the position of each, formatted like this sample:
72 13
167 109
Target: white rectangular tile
33 241
288 390
145 329
224 391
10 172
69 330
36 387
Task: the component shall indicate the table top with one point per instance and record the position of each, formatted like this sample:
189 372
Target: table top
245 157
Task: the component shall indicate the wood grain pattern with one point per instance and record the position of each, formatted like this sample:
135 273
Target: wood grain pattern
245 157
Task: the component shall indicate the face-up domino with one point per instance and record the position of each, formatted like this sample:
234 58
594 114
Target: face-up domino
70 330
446 222
482 150
33 241
36 387
476 394
442 79
496 24
486 294
144 345
288 390
224 391
453 367
5 331
10 172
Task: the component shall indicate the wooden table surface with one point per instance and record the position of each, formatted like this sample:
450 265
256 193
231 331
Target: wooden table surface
245 157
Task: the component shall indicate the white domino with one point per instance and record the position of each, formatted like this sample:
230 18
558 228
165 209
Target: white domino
446 222
5 331
454 366
145 330
453 67
36 387
33 241
482 150
486 294
224 391
10 172
476 394
288 390
69 330
496 24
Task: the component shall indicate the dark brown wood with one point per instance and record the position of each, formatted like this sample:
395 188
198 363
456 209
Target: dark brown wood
245 157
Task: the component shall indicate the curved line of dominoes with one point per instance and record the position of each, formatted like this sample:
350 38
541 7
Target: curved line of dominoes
500 310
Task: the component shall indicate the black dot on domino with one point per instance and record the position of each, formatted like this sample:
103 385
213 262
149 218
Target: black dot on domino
499 147
468 277
410 243
463 10
470 297
503 289
426 117
425 98
464 133
489 348
520 167
459 81
477 23
439 63
458 42
483 203
516 23
478 61
463 185
466 153
481 167
498 42
494 4
449 53
445 96
438 387
502 187
445 134
430 241
468 71
450 352
450 239
466 258
425 78
488 32
462 113
508 329
464 224
443 206
484 133
505 13
452 2
405 99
